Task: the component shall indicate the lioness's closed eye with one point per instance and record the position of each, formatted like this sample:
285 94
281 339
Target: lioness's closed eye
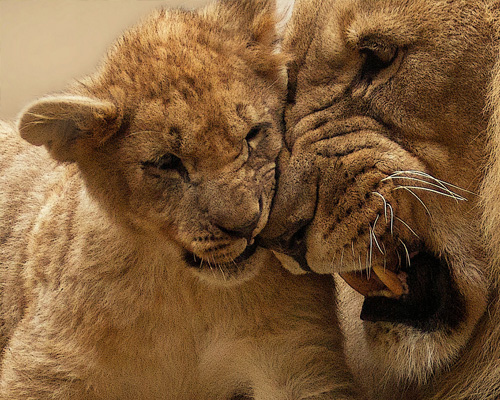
386 148
128 262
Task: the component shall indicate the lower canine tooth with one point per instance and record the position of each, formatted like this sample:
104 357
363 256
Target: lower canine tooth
389 279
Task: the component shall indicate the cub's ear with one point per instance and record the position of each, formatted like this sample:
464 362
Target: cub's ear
254 18
69 126
255 22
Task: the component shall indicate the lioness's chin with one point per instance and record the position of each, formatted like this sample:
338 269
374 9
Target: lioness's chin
423 321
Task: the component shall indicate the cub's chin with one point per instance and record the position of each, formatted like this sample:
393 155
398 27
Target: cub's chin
227 271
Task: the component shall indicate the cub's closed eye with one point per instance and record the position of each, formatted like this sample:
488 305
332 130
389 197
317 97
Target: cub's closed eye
254 132
166 163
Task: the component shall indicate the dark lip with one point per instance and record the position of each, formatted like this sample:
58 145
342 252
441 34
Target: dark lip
432 303
195 262
294 246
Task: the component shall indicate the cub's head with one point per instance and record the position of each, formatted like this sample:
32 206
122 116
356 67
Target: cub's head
177 133
386 126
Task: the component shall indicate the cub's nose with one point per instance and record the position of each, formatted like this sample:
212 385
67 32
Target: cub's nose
237 219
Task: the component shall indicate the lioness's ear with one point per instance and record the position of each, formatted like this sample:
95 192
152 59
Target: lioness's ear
69 126
255 18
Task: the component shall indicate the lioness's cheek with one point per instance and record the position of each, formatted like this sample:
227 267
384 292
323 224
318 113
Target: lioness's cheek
377 103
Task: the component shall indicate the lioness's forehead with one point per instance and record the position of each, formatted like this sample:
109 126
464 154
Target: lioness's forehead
346 22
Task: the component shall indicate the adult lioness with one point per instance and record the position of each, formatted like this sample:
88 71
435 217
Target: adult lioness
107 260
386 136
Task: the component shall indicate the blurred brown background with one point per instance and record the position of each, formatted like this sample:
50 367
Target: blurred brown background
46 43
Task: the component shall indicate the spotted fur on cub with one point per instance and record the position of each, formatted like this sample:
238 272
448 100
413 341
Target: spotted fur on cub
386 149
128 264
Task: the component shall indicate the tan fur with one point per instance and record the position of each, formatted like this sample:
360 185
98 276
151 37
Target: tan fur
349 129
98 300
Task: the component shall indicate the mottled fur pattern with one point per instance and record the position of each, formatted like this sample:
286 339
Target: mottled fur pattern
126 266
386 138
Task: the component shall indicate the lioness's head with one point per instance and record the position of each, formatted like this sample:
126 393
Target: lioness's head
385 141
177 133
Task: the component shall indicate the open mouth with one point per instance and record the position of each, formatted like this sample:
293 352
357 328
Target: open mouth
227 265
418 292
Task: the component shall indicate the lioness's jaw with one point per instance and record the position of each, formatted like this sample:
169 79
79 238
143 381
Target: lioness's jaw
384 103
176 135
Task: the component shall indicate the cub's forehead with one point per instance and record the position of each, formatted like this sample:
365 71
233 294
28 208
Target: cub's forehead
205 135
171 50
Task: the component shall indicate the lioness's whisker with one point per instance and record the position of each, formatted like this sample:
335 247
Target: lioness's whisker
385 204
342 258
41 118
428 183
408 226
368 265
375 236
392 218
439 181
443 182
415 195
406 250
453 196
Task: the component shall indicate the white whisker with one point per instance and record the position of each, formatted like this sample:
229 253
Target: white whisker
453 196
408 226
332 263
434 185
385 205
443 182
415 195
374 236
406 250
392 218
371 247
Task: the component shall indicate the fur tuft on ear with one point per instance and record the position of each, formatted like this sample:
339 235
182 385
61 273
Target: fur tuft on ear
69 125
256 21
255 18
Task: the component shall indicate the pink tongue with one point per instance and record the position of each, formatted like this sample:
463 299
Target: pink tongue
379 279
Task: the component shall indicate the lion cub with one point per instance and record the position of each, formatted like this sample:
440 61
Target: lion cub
129 268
